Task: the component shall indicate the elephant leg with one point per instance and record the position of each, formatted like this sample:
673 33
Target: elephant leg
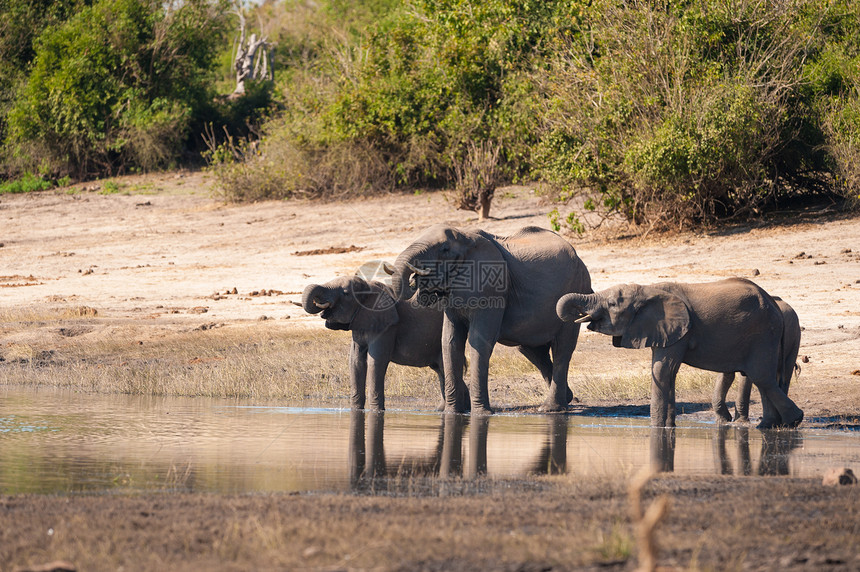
483 333
357 374
778 410
479 355
559 393
769 415
440 373
665 363
742 405
784 412
453 361
539 357
379 355
375 450
721 389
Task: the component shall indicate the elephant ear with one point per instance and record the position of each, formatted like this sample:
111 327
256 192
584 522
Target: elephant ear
376 310
661 320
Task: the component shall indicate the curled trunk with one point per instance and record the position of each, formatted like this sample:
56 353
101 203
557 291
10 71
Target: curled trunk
578 307
314 300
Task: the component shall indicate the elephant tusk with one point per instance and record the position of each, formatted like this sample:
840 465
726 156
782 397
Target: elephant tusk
416 270
583 319
388 269
324 305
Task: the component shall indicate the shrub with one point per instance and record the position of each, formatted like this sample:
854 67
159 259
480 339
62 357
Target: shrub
410 97
25 184
686 114
116 86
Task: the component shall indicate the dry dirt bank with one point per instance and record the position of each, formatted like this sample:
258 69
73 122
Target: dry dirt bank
162 256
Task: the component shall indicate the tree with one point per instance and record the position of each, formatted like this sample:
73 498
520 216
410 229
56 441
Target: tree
252 61
116 86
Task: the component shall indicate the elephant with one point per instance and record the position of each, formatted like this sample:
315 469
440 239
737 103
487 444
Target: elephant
386 330
790 346
495 289
383 329
725 326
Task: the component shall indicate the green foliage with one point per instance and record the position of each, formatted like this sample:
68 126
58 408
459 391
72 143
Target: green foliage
26 184
21 22
109 188
116 86
423 85
667 114
686 113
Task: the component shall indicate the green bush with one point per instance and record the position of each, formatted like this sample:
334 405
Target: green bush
410 97
699 111
25 184
116 86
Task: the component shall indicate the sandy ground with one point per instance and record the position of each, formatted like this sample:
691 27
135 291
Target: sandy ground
163 256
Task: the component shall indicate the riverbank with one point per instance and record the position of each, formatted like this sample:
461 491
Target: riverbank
160 289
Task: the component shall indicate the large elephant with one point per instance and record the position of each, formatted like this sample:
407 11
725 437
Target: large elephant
383 329
726 326
496 289
790 346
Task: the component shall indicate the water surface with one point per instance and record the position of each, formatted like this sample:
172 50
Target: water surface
60 442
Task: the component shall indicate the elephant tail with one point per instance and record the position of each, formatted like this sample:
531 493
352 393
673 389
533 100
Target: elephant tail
784 372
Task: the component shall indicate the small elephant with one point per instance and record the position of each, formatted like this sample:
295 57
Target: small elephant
789 346
496 289
726 326
383 331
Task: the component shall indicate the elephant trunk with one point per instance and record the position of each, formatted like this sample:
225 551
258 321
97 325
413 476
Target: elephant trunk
578 307
407 264
314 299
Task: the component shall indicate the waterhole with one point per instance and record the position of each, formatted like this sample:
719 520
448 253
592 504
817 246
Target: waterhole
65 442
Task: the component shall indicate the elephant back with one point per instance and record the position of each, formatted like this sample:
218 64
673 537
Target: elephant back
535 253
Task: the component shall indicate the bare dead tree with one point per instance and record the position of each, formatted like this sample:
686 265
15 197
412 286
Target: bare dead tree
252 61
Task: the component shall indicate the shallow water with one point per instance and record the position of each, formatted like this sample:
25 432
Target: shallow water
60 442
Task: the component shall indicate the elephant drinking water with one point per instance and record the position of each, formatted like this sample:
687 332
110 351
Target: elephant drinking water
495 289
726 326
386 330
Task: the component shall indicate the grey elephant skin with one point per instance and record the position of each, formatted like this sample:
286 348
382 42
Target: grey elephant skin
726 326
790 347
496 289
383 329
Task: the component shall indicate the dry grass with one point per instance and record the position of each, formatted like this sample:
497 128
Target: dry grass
561 523
259 361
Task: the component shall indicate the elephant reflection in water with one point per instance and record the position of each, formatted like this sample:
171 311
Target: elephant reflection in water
552 458
368 465
776 448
